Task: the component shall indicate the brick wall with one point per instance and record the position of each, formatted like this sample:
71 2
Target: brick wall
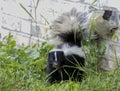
13 19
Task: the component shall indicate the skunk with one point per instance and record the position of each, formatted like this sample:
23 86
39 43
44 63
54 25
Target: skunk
110 25
66 60
106 24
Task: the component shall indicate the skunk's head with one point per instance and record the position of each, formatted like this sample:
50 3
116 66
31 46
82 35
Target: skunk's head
106 21
66 28
56 58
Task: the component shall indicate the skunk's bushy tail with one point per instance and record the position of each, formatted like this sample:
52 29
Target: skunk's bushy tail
66 28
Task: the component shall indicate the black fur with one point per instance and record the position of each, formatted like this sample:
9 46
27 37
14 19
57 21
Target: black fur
68 68
107 14
73 38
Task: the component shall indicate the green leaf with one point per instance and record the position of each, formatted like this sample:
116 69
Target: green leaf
114 37
34 54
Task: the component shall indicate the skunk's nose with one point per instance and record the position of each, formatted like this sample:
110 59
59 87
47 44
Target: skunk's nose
56 64
113 29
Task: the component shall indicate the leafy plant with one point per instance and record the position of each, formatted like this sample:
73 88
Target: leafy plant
21 64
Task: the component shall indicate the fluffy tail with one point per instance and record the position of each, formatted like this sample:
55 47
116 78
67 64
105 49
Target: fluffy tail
66 28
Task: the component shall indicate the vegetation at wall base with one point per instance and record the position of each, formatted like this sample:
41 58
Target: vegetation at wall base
22 68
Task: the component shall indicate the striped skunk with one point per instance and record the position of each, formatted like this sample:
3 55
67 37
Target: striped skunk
67 58
106 24
110 58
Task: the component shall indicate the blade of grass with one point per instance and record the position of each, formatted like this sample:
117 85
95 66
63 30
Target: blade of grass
44 19
26 10
37 3
91 30
94 2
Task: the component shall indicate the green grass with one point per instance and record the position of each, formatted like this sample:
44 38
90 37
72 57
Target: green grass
22 69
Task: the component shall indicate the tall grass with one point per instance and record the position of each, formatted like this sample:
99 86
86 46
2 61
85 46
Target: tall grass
22 68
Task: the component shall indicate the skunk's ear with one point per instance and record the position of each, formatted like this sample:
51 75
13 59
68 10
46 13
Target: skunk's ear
107 14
